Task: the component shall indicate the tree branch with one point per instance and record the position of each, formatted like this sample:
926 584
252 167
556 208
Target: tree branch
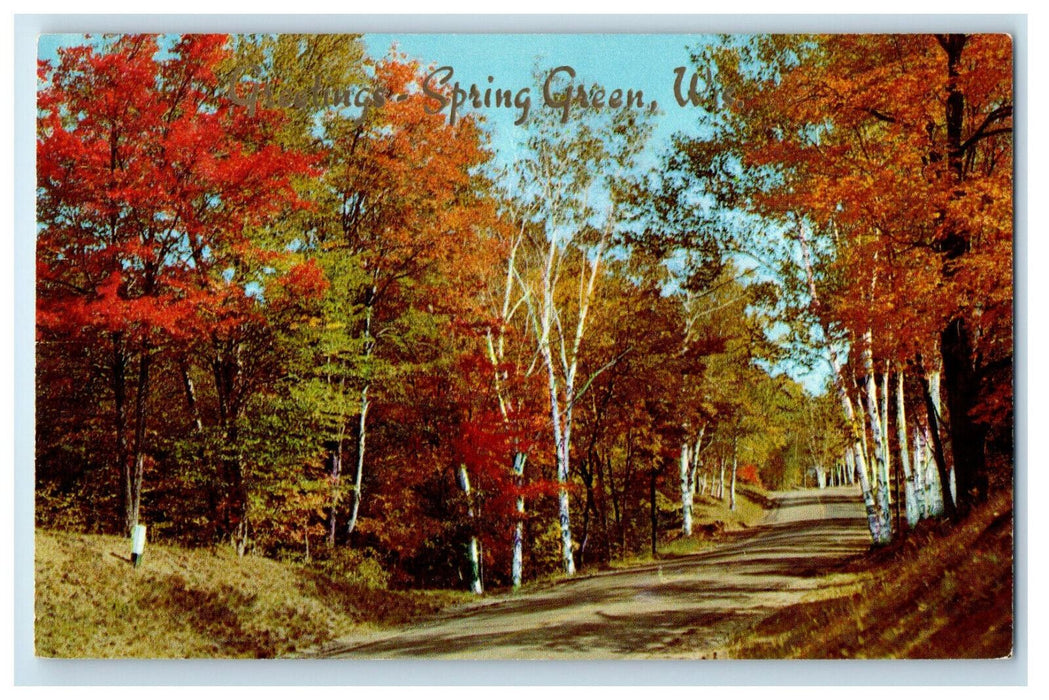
982 132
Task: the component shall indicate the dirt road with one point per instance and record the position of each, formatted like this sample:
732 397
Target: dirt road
684 607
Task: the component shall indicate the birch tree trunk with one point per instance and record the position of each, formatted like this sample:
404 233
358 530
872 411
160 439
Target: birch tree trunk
882 470
857 434
362 433
472 551
732 487
924 451
517 561
920 468
686 490
911 493
931 390
362 424
885 429
561 415
497 354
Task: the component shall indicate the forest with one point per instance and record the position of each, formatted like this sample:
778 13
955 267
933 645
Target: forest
325 333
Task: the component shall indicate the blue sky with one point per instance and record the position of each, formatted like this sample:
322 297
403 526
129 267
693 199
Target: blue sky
629 61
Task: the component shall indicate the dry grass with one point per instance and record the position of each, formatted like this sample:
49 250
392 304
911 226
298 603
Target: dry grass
945 591
182 603
192 603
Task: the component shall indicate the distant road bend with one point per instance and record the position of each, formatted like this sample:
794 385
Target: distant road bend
685 607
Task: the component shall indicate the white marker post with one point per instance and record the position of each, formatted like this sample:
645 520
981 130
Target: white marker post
138 544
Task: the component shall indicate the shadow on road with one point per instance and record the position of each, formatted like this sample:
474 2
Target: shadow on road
650 610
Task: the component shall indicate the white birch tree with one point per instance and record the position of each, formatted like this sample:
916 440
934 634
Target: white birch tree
570 180
911 494
874 518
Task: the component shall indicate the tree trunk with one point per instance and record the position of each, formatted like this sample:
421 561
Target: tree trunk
362 434
885 427
732 487
238 513
967 436
874 418
960 374
857 434
517 563
686 491
920 468
191 397
873 521
933 493
586 472
911 493
473 551
933 417
561 434
362 424
721 482
617 506
563 514
134 484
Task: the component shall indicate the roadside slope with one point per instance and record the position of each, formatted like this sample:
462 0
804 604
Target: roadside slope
945 591
189 603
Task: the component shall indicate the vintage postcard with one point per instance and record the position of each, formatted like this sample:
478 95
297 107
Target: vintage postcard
524 346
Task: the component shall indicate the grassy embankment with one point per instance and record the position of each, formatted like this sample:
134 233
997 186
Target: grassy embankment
183 603
944 591
186 603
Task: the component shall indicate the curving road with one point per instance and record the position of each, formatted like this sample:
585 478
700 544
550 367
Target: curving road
686 607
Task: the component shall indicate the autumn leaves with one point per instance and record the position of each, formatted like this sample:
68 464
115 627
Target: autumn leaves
883 164
294 329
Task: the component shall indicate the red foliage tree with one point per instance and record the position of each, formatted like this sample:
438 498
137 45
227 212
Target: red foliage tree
149 183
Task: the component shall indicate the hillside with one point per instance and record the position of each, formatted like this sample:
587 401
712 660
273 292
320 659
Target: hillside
942 592
181 602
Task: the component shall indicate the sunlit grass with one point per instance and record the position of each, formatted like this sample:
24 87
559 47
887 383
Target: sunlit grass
183 603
